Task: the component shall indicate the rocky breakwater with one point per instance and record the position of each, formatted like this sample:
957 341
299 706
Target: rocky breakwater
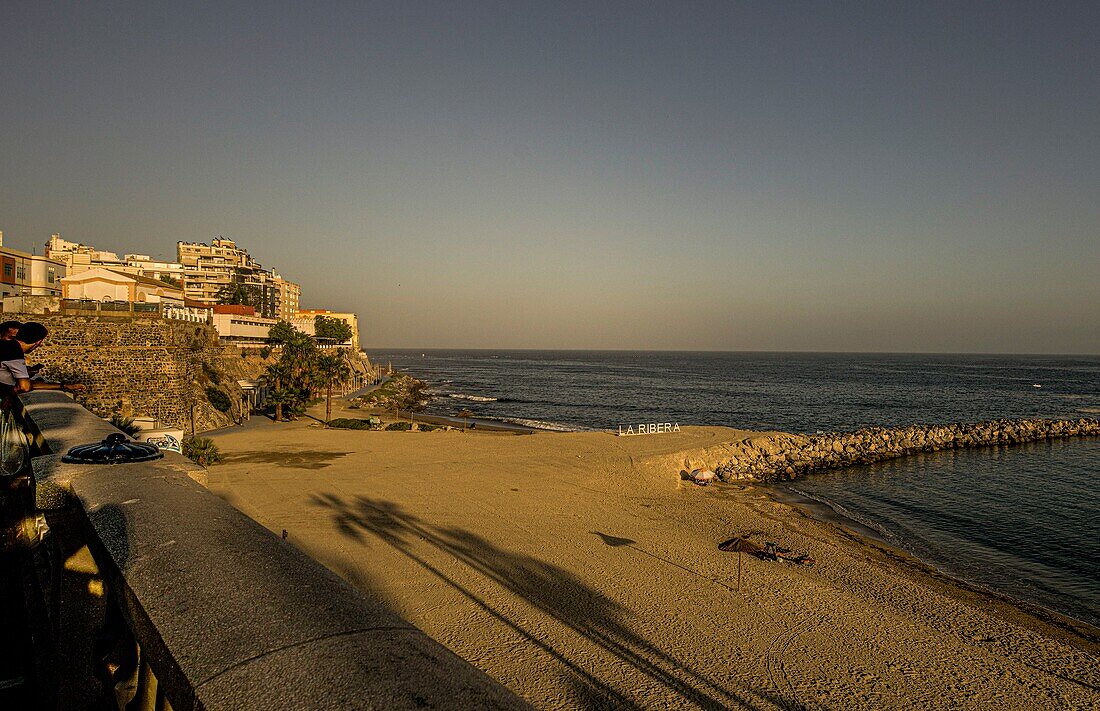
788 456
400 392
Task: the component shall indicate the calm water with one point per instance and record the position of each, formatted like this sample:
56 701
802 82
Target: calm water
1024 521
1021 520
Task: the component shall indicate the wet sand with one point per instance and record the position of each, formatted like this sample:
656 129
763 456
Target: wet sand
581 572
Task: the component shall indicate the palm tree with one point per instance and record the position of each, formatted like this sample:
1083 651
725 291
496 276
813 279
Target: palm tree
331 368
201 451
278 374
126 424
291 377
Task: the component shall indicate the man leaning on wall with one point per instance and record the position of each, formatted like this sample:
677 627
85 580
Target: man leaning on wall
8 331
15 376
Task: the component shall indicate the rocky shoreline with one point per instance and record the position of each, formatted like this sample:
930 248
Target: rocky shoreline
788 456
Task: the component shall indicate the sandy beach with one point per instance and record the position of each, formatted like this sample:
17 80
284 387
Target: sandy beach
581 572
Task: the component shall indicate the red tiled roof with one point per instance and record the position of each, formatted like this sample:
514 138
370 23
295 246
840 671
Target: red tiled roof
238 309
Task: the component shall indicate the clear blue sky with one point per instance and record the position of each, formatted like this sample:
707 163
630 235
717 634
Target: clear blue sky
781 176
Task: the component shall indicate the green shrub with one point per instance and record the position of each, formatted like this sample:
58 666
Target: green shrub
211 374
399 426
201 451
218 399
347 423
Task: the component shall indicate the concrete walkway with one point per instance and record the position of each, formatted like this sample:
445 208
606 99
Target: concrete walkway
364 391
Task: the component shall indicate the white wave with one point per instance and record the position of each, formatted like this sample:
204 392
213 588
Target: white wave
540 425
473 398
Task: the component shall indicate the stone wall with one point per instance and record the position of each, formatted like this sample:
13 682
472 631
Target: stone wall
152 367
789 456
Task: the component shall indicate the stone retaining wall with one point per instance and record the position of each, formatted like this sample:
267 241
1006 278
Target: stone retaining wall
789 456
149 367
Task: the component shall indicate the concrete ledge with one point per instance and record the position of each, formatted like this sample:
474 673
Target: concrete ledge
230 616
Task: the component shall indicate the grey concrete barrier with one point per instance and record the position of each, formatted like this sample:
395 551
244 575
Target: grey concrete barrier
222 613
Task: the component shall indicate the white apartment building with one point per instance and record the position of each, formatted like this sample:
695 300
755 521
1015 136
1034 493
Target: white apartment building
203 271
79 257
146 266
25 274
238 327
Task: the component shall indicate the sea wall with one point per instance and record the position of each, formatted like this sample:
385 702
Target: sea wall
149 367
788 456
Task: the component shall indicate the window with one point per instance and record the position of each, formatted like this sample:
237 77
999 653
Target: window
8 270
49 275
20 273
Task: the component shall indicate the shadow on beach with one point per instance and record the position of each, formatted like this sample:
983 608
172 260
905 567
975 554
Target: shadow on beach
287 460
553 590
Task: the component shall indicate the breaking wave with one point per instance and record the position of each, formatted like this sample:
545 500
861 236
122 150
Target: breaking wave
541 425
473 398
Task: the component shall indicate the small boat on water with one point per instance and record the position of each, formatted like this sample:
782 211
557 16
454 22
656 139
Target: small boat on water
1036 385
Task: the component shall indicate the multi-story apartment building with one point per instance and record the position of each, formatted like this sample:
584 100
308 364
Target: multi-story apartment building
146 266
79 257
289 296
209 270
204 271
24 274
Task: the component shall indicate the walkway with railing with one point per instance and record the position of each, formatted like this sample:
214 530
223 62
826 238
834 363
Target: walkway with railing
143 590
134 309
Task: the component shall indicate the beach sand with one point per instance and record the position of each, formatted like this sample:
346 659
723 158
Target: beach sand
581 572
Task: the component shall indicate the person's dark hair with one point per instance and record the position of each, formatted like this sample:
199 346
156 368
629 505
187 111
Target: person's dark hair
31 332
9 324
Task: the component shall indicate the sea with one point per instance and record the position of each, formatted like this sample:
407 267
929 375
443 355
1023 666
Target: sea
1021 521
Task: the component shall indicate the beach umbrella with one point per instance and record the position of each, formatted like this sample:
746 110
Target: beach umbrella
465 415
740 545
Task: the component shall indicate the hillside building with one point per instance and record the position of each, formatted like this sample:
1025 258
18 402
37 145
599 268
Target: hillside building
146 266
105 285
289 296
79 257
25 274
241 326
305 319
209 270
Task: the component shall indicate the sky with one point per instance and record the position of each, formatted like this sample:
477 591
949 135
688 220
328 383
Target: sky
880 176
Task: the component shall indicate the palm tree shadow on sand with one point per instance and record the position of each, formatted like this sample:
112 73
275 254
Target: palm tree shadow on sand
552 590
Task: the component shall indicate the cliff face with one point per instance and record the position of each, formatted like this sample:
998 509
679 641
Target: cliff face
788 456
148 367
